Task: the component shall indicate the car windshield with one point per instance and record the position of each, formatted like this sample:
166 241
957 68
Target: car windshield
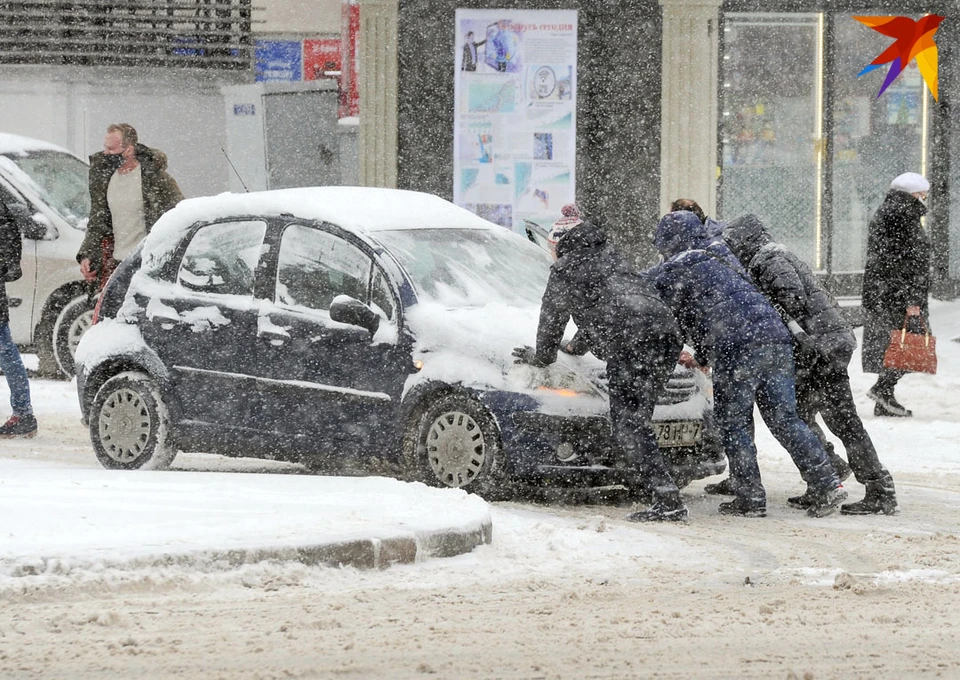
470 267
59 179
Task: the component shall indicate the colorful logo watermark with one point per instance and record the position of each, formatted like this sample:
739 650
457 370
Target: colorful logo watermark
914 40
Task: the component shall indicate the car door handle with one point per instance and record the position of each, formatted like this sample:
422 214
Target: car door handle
275 339
14 301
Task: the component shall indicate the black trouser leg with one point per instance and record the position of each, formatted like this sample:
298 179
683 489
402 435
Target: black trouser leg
887 380
636 376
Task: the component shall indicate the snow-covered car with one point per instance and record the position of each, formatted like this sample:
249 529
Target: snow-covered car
45 188
339 324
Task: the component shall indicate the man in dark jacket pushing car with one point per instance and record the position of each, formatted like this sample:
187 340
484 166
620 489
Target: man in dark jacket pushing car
621 319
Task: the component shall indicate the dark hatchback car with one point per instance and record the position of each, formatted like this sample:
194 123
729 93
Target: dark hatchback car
339 325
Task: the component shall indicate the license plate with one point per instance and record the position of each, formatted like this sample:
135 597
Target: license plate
678 433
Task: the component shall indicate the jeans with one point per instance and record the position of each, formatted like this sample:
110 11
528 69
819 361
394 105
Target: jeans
823 385
764 375
636 375
16 374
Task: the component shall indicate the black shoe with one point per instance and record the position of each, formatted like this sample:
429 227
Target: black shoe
22 427
887 405
826 503
724 488
668 508
803 502
744 507
881 498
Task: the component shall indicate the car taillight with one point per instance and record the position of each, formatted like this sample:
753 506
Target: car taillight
96 311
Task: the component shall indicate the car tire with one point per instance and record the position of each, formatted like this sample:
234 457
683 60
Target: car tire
130 424
454 442
59 335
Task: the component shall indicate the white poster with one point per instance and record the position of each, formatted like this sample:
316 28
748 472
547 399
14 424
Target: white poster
515 118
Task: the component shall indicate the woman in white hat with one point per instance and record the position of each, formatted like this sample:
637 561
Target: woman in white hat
896 281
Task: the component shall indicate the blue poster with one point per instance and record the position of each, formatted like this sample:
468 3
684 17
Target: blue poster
278 61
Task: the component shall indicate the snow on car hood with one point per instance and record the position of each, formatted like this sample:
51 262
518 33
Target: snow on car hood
473 346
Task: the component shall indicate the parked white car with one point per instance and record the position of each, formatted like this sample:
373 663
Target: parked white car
45 187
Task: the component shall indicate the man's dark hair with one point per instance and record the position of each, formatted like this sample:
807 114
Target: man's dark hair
127 133
689 205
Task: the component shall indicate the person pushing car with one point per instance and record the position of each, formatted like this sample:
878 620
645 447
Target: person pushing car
622 320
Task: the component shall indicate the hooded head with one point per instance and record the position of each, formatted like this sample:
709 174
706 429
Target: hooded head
745 236
569 218
678 231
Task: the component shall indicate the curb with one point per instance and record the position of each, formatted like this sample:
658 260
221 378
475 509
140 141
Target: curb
371 553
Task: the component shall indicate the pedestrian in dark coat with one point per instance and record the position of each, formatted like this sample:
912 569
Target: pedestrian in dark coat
622 320
109 237
823 384
22 423
896 282
734 329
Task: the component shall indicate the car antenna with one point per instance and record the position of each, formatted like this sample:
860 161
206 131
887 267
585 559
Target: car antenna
235 170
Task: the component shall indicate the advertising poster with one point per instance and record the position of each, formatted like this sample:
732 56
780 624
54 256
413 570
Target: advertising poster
515 117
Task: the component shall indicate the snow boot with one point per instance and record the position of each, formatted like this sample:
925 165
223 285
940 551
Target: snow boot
19 427
666 508
724 488
803 502
881 499
887 405
826 502
744 507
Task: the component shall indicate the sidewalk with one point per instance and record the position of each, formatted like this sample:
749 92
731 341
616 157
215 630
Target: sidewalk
55 519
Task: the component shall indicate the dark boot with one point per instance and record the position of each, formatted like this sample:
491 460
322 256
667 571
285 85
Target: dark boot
19 427
724 488
803 502
826 502
744 507
881 498
887 405
666 508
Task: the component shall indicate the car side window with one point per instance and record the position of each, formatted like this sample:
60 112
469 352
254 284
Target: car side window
314 267
222 258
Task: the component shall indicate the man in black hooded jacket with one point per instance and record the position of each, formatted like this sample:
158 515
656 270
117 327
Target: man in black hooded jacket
822 350
622 320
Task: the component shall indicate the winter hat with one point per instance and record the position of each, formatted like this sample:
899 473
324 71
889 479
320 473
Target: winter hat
911 182
570 218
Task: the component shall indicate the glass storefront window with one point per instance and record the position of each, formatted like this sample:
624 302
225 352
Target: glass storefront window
769 124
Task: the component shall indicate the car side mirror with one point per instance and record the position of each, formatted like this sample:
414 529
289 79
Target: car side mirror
345 309
29 226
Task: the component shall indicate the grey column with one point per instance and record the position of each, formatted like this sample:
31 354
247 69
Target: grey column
378 93
688 142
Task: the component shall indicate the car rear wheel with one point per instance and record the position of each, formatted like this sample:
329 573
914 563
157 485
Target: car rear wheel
129 424
60 334
454 442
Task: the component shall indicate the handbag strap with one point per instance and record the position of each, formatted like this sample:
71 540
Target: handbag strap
906 320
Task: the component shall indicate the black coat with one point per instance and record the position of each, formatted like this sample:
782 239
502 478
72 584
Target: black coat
615 308
786 279
897 273
10 252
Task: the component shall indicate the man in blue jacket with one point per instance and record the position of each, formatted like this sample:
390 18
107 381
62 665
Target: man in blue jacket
734 329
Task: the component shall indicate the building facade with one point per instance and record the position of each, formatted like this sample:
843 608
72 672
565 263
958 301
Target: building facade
744 105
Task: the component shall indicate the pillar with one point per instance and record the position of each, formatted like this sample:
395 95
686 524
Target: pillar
378 92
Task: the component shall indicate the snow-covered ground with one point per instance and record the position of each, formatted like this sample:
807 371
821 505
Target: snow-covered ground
564 591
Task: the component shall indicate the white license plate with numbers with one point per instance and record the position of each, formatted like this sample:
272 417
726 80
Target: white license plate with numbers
678 433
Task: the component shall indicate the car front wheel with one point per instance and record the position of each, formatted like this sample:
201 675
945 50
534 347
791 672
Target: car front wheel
454 442
129 424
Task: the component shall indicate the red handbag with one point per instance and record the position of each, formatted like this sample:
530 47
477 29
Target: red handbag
913 352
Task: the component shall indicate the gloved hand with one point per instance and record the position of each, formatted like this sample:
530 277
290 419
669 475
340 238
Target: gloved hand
527 355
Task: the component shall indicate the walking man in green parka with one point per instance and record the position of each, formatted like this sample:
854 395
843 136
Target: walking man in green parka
129 190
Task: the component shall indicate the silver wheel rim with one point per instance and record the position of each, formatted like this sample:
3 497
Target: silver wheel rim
79 326
455 449
124 425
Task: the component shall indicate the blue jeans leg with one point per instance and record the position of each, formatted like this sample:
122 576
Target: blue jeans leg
777 402
12 366
735 380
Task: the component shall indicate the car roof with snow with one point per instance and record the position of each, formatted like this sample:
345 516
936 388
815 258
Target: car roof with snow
357 209
15 144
